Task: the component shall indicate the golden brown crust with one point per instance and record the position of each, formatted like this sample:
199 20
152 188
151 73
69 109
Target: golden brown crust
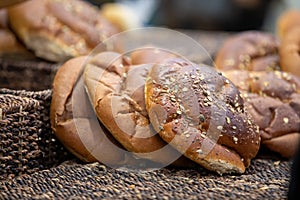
287 21
193 105
273 101
116 90
66 28
289 51
77 132
249 50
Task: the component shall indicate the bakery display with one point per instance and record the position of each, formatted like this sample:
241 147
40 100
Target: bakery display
249 50
201 114
57 30
273 101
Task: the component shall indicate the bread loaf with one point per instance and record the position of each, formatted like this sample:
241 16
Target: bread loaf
57 30
77 129
116 90
249 50
273 101
201 114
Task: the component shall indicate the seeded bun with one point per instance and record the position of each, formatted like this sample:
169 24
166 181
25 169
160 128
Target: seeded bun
273 101
201 114
116 91
287 21
57 30
77 133
249 50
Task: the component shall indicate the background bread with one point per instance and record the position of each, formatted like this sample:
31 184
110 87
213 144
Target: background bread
8 41
273 100
287 21
201 114
116 90
59 29
289 51
80 133
249 50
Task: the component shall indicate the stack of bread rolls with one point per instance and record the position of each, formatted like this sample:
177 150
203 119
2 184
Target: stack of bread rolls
129 96
266 69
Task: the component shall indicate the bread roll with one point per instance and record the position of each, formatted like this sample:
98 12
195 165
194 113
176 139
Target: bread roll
201 114
287 21
249 50
289 51
59 29
77 129
116 90
273 101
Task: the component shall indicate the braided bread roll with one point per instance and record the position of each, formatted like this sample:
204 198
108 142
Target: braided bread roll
201 114
273 101
249 50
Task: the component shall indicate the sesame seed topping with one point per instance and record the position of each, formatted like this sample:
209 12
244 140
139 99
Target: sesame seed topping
234 127
286 120
220 127
235 139
199 151
184 89
228 120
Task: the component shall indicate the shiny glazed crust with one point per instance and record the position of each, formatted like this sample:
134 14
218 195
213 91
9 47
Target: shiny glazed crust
201 114
273 101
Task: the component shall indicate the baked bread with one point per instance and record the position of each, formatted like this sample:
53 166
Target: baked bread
8 41
289 51
57 30
249 50
201 114
78 130
116 91
273 101
287 21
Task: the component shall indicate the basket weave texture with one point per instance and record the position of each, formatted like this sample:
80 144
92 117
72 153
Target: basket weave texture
27 143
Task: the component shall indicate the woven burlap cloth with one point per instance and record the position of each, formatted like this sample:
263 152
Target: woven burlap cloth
34 164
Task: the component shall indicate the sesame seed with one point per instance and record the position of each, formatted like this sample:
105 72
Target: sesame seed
220 127
199 151
228 120
235 139
184 89
286 120
234 127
